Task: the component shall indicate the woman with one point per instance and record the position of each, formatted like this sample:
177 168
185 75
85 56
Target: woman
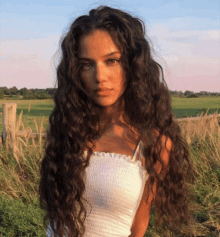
113 148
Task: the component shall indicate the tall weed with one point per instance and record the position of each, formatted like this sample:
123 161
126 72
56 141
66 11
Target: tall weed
20 167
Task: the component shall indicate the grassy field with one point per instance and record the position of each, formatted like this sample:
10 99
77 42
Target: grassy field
38 109
191 107
20 214
41 109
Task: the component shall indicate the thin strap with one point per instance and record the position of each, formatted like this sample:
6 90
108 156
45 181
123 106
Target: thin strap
136 151
141 151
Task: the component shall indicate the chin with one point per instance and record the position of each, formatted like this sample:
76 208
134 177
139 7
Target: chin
105 102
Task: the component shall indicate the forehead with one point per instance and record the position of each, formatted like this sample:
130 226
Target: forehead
97 43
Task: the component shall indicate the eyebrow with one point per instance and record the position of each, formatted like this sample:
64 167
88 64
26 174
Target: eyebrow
109 54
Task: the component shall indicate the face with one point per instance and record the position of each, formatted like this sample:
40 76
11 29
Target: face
101 71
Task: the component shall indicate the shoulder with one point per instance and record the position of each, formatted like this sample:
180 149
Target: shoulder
165 150
164 156
166 143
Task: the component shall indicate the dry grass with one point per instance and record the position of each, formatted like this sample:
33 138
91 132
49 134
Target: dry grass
20 163
203 136
19 171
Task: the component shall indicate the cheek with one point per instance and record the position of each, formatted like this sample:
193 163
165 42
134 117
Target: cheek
86 80
119 80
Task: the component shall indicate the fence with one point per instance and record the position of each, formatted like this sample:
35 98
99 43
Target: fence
9 124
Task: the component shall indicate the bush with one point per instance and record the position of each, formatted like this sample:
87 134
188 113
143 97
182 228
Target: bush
192 96
29 97
1 94
20 219
37 96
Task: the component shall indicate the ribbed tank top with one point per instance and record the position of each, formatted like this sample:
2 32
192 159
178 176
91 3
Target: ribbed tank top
114 188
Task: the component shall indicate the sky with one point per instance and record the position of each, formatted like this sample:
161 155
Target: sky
184 37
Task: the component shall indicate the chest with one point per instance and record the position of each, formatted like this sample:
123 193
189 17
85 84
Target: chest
118 141
112 175
114 187
116 144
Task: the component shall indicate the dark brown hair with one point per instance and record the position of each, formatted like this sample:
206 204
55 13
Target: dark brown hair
75 118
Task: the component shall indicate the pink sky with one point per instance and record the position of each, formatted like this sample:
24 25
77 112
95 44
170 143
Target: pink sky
190 59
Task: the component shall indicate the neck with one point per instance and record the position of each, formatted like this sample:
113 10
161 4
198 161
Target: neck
112 116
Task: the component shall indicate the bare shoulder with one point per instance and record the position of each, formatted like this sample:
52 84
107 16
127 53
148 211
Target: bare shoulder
166 146
165 151
166 141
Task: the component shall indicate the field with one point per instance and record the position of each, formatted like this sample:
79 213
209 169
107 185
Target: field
182 107
39 109
191 107
20 214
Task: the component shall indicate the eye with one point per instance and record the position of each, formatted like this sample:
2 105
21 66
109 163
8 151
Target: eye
85 66
112 61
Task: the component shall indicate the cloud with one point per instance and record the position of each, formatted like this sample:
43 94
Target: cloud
189 43
190 58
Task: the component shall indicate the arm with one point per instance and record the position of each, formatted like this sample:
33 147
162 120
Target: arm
142 216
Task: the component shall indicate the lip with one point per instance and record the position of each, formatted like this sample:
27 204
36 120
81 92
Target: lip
103 92
102 89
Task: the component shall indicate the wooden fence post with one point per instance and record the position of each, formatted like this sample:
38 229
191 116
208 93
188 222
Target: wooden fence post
9 120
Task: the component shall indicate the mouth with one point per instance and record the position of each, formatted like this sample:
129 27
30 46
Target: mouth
104 92
102 89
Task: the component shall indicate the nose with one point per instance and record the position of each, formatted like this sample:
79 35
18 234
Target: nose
101 73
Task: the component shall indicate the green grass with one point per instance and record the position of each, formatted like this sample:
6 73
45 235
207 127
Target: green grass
38 109
20 212
191 107
21 218
182 107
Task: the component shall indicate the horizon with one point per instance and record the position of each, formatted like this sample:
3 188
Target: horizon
56 88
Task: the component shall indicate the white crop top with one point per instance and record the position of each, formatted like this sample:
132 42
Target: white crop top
114 187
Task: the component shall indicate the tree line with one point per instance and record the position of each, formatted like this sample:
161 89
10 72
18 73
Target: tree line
27 94
31 94
192 94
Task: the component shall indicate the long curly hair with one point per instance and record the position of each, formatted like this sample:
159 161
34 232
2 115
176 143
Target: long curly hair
75 123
